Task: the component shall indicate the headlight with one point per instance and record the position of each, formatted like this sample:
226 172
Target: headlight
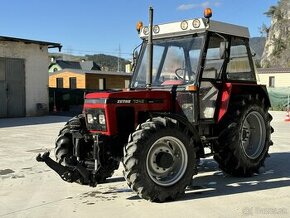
90 118
102 119
96 119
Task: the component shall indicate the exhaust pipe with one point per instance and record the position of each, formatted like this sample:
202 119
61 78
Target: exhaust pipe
150 50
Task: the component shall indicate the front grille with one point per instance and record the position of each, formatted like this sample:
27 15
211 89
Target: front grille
93 120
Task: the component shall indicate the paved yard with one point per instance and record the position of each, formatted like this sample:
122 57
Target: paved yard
30 189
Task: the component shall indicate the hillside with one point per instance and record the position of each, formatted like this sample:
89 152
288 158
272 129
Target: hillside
277 48
107 62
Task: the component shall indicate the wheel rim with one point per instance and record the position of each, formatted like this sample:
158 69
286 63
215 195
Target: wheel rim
166 161
253 134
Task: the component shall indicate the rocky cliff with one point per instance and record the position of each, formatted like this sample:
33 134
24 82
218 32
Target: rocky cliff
277 47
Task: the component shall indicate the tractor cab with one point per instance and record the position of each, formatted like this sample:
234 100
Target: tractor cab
195 58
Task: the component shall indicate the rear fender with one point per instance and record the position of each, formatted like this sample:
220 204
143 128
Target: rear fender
235 89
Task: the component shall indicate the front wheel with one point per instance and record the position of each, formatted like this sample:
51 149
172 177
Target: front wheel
64 149
159 160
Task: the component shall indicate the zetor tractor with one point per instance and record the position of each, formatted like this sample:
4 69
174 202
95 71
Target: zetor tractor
193 94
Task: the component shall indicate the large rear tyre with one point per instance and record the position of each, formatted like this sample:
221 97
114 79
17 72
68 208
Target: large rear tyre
245 137
159 160
64 148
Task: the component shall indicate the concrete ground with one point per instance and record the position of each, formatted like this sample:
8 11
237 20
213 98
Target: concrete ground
30 189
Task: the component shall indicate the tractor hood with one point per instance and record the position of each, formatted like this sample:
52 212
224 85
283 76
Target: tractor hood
112 107
129 97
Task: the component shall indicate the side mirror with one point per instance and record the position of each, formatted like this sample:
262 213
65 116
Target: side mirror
223 49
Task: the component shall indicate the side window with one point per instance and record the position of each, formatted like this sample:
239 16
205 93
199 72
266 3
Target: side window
239 67
214 58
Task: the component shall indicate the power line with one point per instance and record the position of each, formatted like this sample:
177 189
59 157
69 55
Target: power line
70 50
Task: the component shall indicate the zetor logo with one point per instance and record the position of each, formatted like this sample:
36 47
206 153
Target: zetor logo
124 101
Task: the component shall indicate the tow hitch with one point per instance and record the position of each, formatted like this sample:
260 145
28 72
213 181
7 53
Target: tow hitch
71 173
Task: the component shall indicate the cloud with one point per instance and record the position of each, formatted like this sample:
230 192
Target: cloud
205 4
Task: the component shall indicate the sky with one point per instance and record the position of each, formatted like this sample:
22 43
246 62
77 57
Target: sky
109 26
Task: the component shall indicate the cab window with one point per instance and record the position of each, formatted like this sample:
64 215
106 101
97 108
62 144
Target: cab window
239 67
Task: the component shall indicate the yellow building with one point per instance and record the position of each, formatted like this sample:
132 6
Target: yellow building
90 79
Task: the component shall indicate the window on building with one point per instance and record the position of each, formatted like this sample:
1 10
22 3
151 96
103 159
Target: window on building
55 69
59 82
73 82
127 83
272 81
102 84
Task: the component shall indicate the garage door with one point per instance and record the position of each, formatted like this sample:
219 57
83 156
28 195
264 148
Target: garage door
12 87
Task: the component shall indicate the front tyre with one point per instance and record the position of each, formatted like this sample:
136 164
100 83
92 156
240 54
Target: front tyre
159 160
64 149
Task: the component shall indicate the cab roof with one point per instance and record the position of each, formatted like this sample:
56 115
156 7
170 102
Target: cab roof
192 26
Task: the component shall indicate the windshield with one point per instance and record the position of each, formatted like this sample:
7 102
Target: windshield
175 62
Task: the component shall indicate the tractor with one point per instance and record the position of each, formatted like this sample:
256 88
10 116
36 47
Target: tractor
193 94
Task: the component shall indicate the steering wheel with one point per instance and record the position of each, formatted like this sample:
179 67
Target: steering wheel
177 73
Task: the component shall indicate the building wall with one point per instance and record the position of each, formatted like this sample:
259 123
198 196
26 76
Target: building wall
36 77
112 81
281 79
90 81
81 81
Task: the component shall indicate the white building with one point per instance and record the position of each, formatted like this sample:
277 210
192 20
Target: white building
274 77
24 77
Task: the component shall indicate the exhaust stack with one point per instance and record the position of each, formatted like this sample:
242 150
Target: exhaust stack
150 50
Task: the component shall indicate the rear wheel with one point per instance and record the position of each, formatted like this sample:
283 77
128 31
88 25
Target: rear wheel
245 137
159 160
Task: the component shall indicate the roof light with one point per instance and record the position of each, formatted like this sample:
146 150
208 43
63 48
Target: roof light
184 25
156 29
196 23
139 26
207 13
146 30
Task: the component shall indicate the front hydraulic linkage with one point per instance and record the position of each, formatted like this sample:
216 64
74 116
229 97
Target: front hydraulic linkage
67 173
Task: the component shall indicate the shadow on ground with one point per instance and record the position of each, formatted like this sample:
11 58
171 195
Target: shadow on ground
25 121
275 175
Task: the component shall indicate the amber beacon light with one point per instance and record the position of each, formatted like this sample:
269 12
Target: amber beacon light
207 13
139 26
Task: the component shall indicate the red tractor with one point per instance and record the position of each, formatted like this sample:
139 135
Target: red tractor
194 87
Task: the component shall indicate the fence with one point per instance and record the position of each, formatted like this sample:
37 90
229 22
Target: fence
279 98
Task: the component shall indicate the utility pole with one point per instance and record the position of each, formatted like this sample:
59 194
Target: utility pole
119 55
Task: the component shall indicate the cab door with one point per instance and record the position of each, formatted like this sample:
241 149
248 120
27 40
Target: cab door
210 81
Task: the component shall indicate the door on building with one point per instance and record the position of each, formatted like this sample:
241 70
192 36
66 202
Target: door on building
12 87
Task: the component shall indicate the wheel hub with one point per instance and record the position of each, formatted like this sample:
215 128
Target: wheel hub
253 134
164 160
